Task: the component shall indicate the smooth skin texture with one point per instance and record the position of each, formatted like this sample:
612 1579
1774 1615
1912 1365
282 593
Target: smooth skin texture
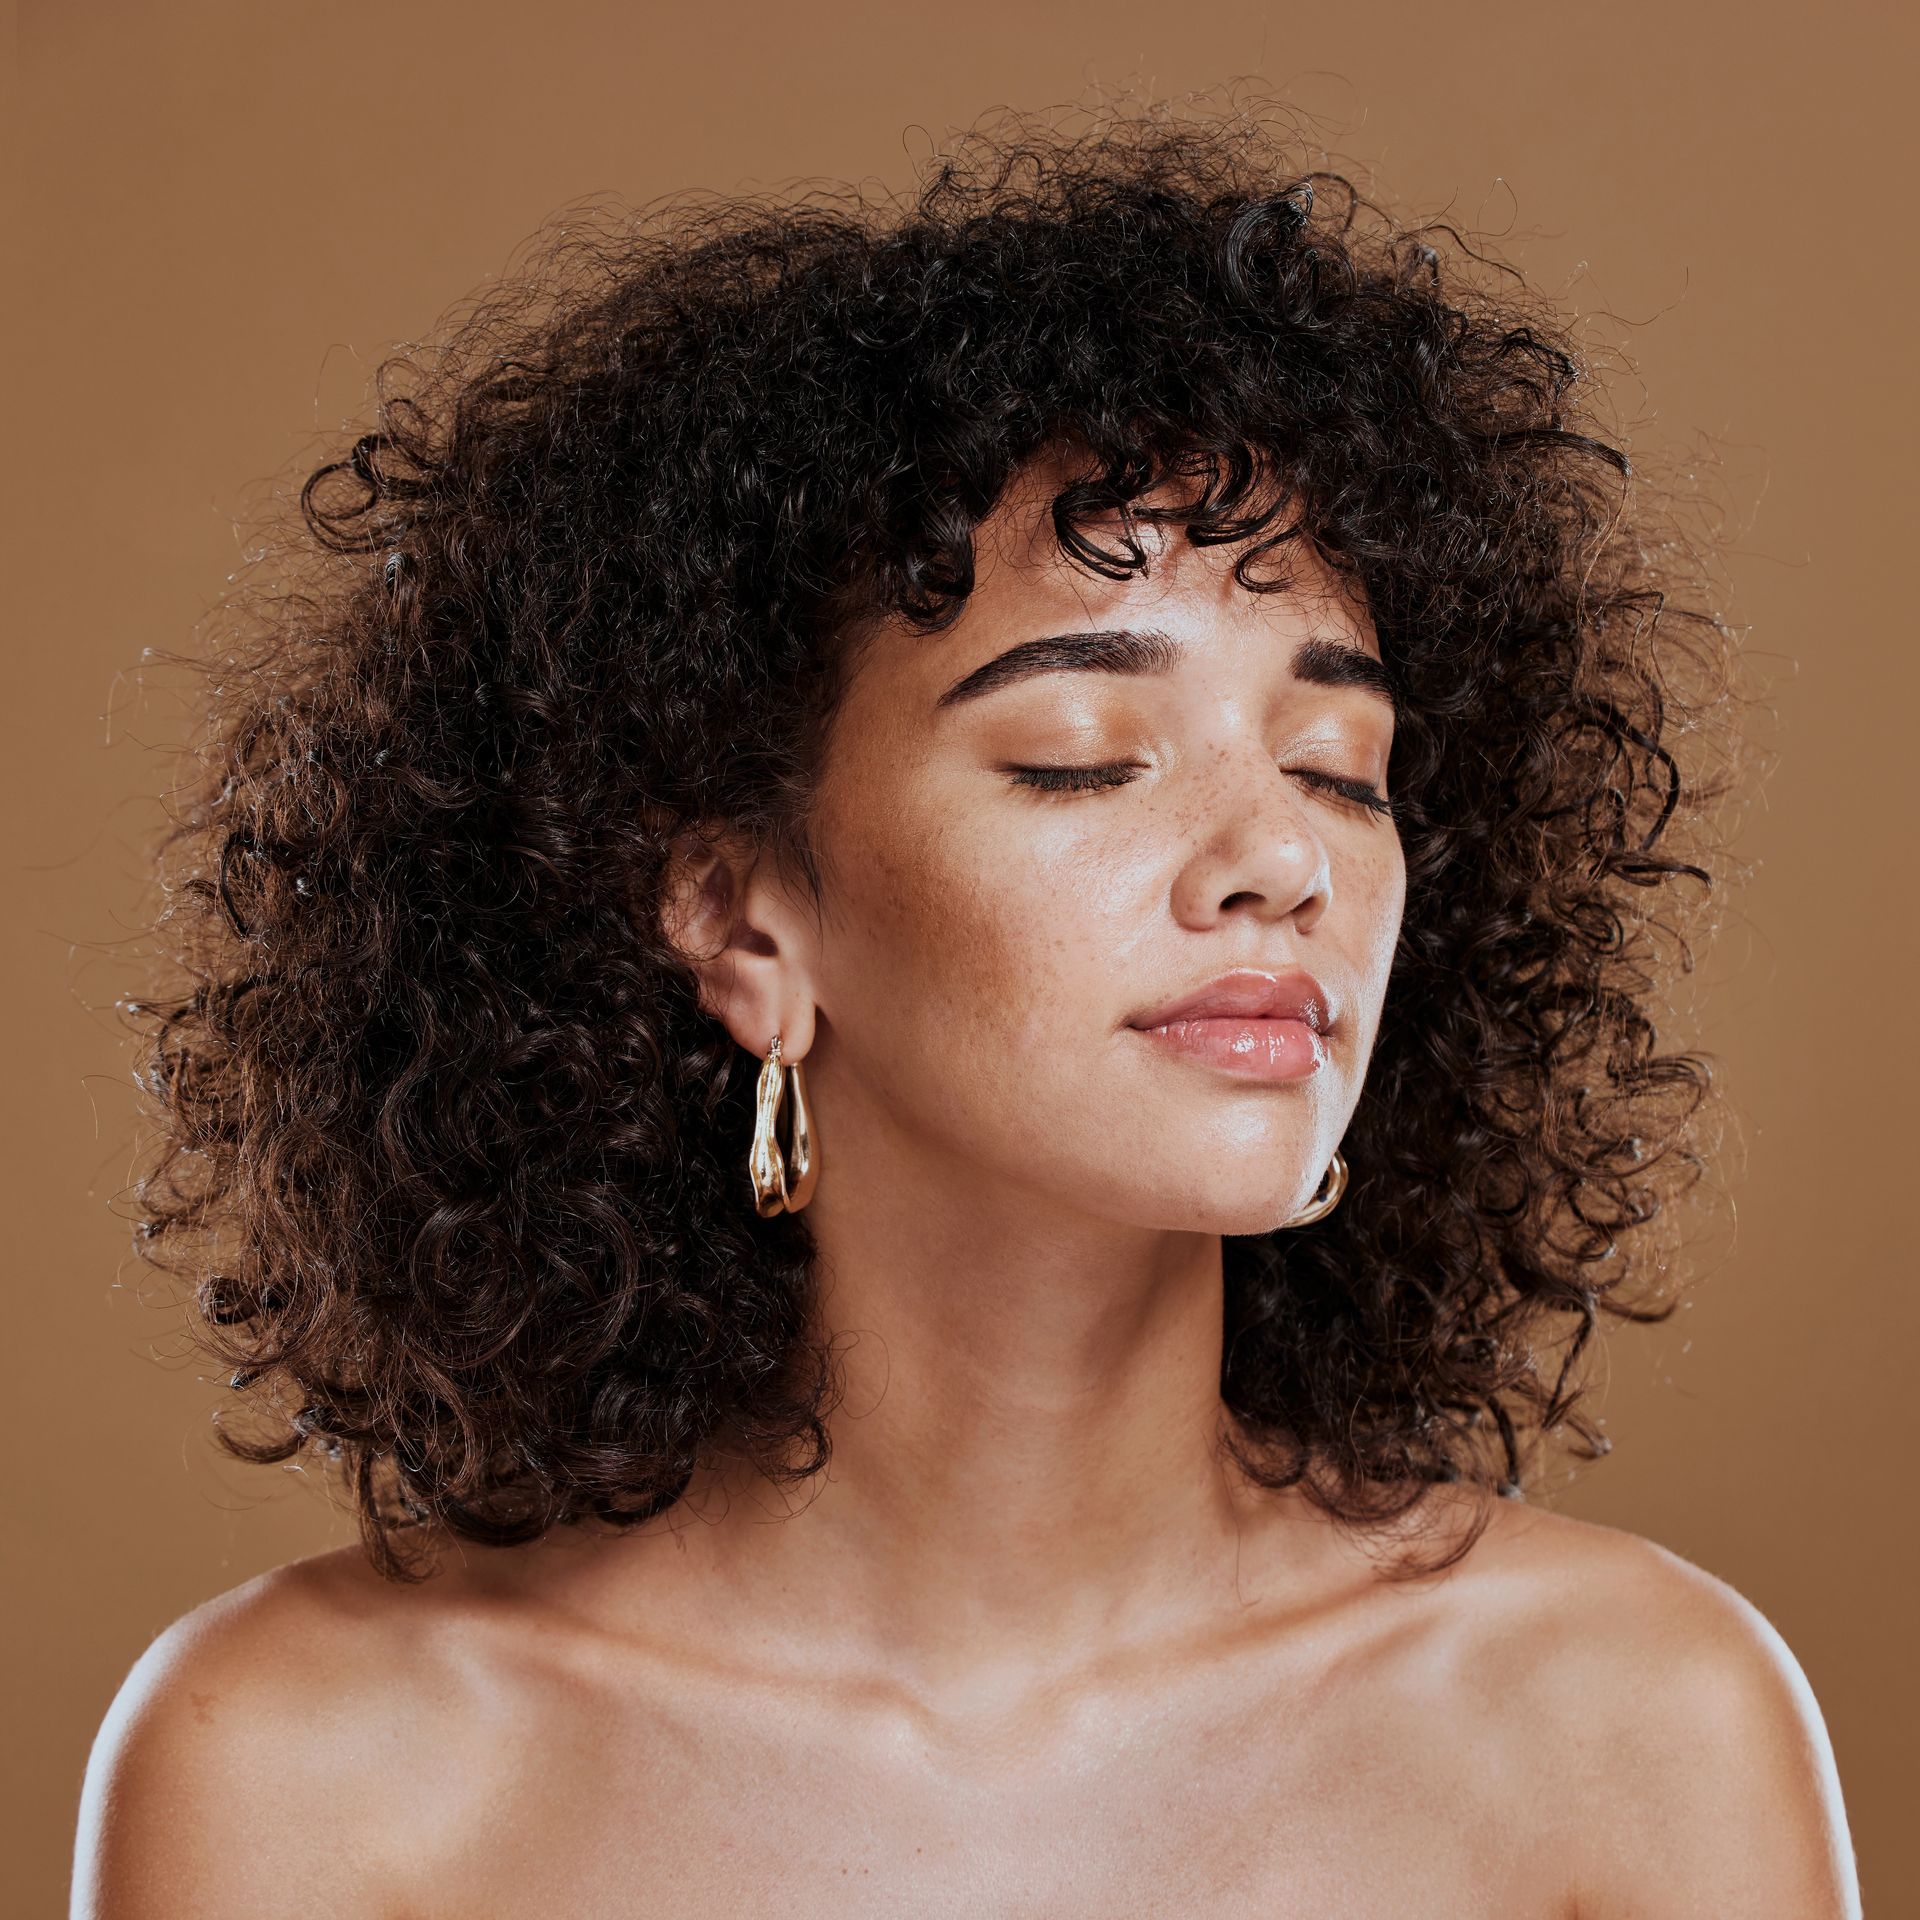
1029 1646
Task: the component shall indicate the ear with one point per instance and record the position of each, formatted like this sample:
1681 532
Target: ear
749 939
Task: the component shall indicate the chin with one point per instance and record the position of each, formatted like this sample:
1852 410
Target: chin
1200 1206
1266 1216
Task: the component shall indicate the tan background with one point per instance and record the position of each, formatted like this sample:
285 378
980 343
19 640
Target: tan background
229 210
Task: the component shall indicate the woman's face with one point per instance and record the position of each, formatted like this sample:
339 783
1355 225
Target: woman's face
989 948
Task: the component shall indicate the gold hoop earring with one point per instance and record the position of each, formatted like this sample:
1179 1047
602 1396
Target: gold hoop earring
781 1181
1332 1185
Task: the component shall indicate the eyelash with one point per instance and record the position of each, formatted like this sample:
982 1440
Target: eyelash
1101 779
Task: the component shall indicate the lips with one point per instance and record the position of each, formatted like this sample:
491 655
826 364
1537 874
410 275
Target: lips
1247 994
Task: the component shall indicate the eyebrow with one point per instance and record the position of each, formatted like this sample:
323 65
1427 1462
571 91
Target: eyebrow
1320 662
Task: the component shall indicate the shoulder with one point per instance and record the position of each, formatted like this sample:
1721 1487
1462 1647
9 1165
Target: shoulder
1664 1716
248 1762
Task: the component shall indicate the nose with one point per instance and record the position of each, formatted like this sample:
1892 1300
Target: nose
1256 850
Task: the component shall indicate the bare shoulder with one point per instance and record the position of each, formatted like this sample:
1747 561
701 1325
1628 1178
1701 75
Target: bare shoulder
248 1763
1667 1719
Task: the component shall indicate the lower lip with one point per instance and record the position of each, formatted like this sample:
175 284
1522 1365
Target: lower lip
1260 1049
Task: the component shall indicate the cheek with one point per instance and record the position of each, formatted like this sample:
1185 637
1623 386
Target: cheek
1385 886
969 928
966 917
1376 901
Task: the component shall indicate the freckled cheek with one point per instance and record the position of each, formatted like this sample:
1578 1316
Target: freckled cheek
995 936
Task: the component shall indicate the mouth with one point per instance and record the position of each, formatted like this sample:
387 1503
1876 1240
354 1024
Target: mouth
1265 1026
1248 994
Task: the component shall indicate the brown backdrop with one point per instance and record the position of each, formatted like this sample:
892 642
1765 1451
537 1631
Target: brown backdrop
227 211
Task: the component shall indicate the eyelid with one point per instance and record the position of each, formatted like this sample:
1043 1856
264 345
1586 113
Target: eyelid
1072 779
1362 793
1064 779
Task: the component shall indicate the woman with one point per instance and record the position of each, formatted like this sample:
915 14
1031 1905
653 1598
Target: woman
919 1023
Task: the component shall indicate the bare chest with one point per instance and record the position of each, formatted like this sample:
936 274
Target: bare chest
1358 1800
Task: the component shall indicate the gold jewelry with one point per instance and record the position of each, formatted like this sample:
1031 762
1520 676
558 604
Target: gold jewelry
781 1181
1333 1184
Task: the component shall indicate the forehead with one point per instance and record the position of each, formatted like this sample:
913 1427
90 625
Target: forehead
1023 573
1025 585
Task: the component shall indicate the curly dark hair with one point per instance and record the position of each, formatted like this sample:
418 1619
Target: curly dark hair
448 1147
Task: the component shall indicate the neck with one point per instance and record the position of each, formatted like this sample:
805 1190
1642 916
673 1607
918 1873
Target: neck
1026 1468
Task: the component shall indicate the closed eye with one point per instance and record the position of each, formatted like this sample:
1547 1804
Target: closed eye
1361 793
1072 779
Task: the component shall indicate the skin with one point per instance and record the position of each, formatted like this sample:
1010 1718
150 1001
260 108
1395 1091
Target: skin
1029 1646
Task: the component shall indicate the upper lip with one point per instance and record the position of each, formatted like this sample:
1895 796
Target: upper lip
1292 994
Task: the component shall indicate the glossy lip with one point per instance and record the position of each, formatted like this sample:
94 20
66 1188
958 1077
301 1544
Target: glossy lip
1246 994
